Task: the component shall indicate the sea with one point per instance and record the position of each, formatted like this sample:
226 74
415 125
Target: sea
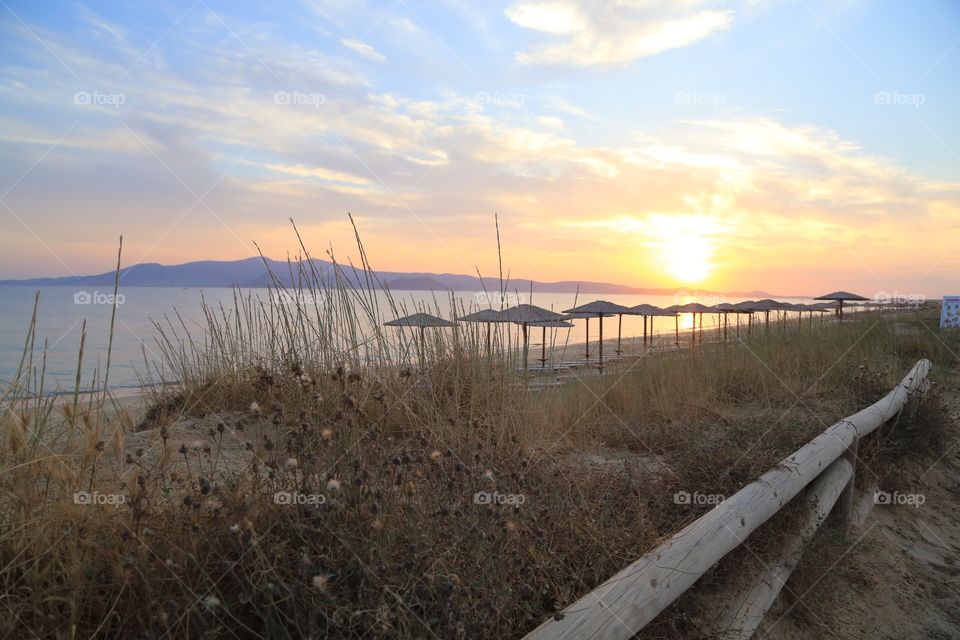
63 310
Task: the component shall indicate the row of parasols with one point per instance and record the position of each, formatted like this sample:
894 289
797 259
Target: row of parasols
528 315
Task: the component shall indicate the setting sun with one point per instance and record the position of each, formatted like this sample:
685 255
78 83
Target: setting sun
684 246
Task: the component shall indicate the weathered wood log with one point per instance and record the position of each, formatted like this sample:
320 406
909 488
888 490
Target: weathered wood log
746 608
630 599
864 502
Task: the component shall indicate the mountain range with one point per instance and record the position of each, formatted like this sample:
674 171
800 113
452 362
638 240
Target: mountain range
256 272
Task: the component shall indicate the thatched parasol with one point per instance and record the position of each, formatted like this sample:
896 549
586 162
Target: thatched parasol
840 297
650 311
601 309
422 321
524 314
693 308
488 317
727 308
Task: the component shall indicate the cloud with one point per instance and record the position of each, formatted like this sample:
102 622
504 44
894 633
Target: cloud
776 198
363 49
615 33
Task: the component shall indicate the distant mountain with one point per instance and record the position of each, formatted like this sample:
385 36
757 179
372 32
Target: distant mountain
253 272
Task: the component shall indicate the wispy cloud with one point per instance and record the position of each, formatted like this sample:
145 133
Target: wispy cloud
615 33
363 49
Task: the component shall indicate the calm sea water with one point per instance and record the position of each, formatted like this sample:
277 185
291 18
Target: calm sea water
62 311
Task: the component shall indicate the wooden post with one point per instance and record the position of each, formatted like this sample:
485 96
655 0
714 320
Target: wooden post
845 502
676 328
543 349
587 342
743 608
619 330
423 349
601 343
525 349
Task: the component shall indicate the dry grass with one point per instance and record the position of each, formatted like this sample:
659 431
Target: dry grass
316 400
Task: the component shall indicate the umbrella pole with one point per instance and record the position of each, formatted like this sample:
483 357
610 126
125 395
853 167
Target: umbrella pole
601 343
543 350
693 330
644 331
525 346
587 343
841 310
423 348
619 330
700 334
676 329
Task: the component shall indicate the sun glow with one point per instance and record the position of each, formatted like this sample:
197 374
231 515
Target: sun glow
685 245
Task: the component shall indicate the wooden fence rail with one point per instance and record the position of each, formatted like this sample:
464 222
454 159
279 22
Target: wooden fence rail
628 601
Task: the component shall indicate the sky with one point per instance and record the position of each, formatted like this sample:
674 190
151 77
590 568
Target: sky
795 147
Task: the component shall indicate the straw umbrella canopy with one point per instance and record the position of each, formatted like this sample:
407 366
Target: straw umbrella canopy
694 308
840 297
601 309
800 308
767 305
650 311
524 314
422 321
486 316
822 308
549 324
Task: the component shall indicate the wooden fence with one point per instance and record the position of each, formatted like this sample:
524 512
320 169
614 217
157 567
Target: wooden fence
825 467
